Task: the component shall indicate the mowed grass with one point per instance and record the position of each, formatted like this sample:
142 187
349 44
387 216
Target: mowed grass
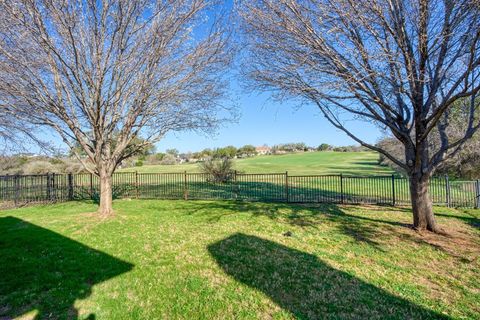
308 163
236 260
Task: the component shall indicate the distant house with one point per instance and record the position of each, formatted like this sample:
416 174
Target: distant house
28 155
263 150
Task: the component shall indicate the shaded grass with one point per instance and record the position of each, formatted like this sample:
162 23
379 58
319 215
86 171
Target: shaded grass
225 259
46 271
314 290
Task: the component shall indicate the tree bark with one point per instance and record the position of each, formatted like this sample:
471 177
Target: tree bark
106 207
423 217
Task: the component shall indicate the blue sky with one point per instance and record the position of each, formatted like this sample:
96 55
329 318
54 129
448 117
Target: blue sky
265 121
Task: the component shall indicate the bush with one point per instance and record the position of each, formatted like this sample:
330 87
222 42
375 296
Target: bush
39 167
247 150
153 159
73 166
118 192
11 165
169 159
139 163
218 170
226 152
324 147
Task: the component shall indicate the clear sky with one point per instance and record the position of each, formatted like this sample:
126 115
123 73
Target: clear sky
265 121
261 121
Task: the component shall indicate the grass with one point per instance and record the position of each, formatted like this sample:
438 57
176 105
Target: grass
236 260
354 163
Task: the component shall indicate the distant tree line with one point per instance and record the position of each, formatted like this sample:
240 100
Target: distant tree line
173 156
34 164
351 148
148 155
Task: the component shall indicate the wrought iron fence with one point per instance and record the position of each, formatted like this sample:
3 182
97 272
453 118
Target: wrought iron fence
18 190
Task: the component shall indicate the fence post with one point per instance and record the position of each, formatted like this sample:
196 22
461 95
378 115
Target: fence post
286 187
447 190
91 186
477 197
17 189
185 190
341 189
49 188
136 184
52 187
393 190
4 194
53 192
70 186
235 186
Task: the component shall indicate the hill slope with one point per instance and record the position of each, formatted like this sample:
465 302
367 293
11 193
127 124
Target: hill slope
350 163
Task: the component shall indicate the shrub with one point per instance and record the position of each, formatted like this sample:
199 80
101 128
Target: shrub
247 150
226 152
220 170
118 192
324 147
11 165
39 167
169 159
73 166
154 159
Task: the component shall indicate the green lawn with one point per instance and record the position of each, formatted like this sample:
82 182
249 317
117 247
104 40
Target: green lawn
236 260
354 163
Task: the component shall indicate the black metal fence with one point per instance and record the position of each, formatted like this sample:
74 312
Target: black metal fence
18 190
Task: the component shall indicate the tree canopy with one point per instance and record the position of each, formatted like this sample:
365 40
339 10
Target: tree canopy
104 73
399 64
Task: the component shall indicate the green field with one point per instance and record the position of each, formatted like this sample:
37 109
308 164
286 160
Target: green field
348 163
363 181
236 260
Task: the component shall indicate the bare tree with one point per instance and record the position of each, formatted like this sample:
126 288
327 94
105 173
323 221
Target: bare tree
463 164
10 130
102 73
400 64
16 134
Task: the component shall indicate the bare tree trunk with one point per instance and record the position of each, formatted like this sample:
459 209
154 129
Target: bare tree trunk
105 208
423 218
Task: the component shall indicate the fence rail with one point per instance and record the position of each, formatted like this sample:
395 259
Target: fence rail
18 190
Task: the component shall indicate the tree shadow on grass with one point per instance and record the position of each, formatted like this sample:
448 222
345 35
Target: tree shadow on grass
468 218
305 286
46 272
362 229
367 229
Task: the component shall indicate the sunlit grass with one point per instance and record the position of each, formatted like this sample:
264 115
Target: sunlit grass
226 260
353 163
